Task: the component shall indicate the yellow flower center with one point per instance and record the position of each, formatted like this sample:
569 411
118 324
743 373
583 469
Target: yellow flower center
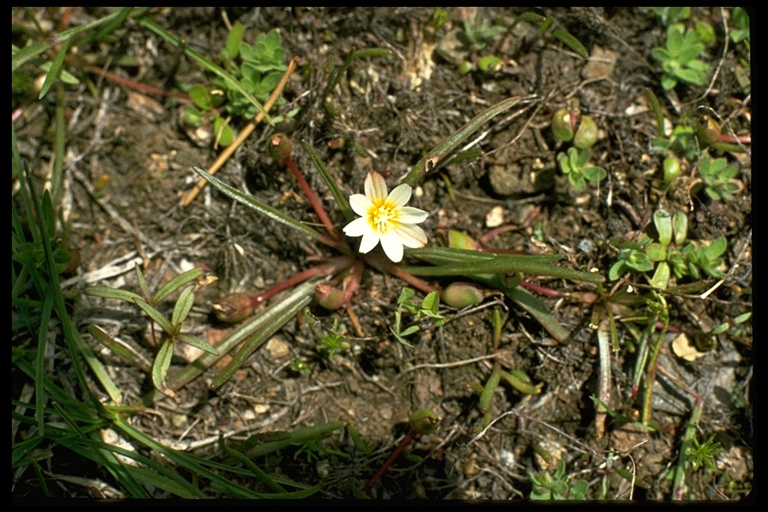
381 216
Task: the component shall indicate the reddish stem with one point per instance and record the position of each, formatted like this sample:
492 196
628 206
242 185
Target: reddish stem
314 201
143 88
549 292
408 439
390 268
333 265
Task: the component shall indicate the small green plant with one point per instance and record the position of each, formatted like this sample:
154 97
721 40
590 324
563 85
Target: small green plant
333 341
478 33
667 254
258 68
734 327
555 486
428 309
679 58
298 365
171 326
575 165
703 454
719 177
569 125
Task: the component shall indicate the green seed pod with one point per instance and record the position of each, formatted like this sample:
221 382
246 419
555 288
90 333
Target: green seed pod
280 147
672 169
586 135
461 295
563 124
329 297
460 240
465 68
233 308
424 421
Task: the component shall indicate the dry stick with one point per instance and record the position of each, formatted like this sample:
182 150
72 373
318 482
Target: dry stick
229 150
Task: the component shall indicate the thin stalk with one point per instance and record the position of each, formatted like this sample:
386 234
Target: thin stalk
332 266
312 197
390 268
650 376
408 439
678 485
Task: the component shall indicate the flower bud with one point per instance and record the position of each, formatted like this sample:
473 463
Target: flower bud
280 147
461 295
563 125
329 297
233 308
707 130
424 421
586 135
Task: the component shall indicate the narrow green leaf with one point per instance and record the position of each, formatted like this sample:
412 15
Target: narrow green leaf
114 346
268 211
42 342
161 365
24 55
111 293
433 159
55 70
571 42
183 305
176 283
156 316
504 266
540 312
187 461
164 483
142 283
196 342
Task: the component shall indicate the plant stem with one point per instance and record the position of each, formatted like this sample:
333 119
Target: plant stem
313 200
332 266
390 268
408 439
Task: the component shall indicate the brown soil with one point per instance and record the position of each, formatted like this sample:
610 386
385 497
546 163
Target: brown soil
128 162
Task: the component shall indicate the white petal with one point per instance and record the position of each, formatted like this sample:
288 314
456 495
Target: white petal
410 235
360 204
357 227
375 187
400 195
393 246
411 215
369 241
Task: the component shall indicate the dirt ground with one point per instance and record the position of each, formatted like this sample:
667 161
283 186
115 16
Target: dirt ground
129 160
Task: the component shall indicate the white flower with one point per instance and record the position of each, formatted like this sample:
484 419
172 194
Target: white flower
385 218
